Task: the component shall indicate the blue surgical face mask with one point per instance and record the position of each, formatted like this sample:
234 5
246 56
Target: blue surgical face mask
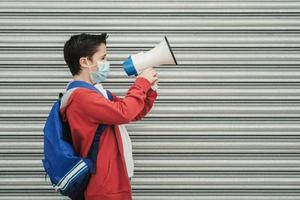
101 74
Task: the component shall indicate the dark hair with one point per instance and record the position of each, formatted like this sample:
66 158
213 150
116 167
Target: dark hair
80 46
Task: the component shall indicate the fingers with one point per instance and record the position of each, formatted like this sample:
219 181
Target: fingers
151 71
150 74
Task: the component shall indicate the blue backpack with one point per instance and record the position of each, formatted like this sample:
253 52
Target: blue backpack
68 172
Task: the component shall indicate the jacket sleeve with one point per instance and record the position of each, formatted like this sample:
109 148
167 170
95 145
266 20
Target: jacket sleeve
98 109
149 101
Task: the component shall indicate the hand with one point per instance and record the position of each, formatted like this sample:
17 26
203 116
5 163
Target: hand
150 74
154 86
155 82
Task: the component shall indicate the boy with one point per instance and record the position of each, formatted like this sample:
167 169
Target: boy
84 109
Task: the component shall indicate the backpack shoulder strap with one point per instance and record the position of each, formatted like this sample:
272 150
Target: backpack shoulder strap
109 94
72 87
93 151
78 83
84 84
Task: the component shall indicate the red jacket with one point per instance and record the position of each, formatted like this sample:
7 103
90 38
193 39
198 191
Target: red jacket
85 110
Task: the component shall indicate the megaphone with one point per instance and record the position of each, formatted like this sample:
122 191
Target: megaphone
159 55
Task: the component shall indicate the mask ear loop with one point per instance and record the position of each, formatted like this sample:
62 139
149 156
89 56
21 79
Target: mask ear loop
92 65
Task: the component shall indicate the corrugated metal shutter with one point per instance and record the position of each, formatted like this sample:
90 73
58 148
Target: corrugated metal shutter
226 122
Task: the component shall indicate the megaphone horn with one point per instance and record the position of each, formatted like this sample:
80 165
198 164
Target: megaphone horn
159 55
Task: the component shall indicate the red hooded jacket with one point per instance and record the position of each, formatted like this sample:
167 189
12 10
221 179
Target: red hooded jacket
85 110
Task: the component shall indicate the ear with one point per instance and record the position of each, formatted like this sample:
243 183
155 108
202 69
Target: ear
83 62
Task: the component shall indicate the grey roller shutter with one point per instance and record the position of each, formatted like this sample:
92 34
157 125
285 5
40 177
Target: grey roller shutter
226 122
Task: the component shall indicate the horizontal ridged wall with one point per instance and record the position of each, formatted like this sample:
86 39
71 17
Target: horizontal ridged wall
226 121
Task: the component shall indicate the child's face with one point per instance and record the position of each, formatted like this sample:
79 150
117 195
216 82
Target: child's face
90 65
100 54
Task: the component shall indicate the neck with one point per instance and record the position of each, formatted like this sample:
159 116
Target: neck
82 77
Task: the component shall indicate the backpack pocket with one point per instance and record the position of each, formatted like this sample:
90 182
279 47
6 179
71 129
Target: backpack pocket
76 187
